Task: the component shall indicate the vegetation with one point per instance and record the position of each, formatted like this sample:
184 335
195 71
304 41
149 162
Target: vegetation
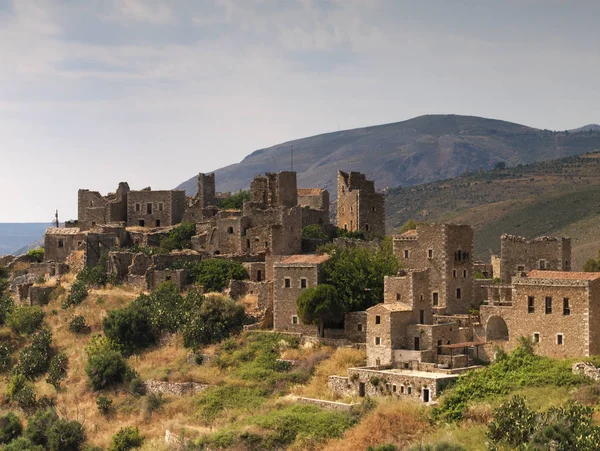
215 274
65 435
592 264
78 294
131 328
25 319
106 366
314 232
408 225
357 273
343 233
21 392
57 370
10 428
127 438
104 404
179 237
78 325
319 305
34 360
235 201
37 254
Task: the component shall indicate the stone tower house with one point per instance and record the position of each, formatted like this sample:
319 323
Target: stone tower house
206 190
359 206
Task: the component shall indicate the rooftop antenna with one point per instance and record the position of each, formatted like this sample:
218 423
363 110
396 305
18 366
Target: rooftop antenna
56 219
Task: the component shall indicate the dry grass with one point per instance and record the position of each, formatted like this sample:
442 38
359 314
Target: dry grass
392 421
469 436
337 364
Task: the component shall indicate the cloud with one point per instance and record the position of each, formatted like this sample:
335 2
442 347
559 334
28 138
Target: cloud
143 11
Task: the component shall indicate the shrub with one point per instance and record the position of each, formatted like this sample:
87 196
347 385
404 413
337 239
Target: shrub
217 318
10 428
6 305
313 232
227 397
179 237
5 356
106 366
154 402
93 275
319 305
235 201
104 404
130 327
38 254
35 359
77 294
214 274
65 435
25 319
78 325
21 392
127 438
136 385
38 426
58 370
22 444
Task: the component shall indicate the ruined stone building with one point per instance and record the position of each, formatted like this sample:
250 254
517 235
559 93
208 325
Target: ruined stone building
558 310
205 203
359 206
59 243
147 208
315 206
95 209
447 251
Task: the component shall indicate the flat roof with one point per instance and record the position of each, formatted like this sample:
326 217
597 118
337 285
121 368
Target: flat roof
562 275
394 307
312 259
63 231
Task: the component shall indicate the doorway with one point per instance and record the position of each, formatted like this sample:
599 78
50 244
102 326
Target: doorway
425 395
361 389
417 344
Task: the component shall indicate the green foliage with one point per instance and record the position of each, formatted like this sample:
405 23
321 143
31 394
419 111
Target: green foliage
21 392
35 359
57 370
77 294
4 273
314 232
22 444
408 225
6 350
343 233
104 404
387 447
357 273
93 276
319 305
228 397
10 428
216 319
592 264
106 366
38 254
38 426
125 439
235 201
214 274
521 368
179 237
6 305
566 428
65 435
131 328
154 402
78 325
478 275
25 319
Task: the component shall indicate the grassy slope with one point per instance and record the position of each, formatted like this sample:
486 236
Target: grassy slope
560 197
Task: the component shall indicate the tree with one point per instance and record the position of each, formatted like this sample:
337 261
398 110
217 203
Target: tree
500 165
130 327
235 201
408 225
216 273
314 232
319 305
592 264
179 238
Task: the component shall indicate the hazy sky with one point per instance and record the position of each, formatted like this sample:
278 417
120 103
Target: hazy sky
93 92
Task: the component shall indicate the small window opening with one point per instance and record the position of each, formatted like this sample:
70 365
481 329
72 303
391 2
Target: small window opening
294 319
303 283
230 230
559 339
149 208
377 341
359 327
566 307
430 253
377 319
287 282
548 305
405 253
530 304
536 337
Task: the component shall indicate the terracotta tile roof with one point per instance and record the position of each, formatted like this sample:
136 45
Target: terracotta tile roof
62 231
394 307
310 191
301 258
563 275
411 232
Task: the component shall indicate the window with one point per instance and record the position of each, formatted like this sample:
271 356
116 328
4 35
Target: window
294 319
161 206
454 273
394 388
398 296
157 223
359 327
536 337
351 209
542 264
548 305
342 210
248 244
430 253
377 319
168 278
520 268
436 299
458 293
61 243
91 203
421 316
421 297
345 226
405 253
149 208
259 275
373 209
377 341
287 282
230 230
366 227
409 390
560 339
402 389
566 307
138 207
303 283
530 304
465 273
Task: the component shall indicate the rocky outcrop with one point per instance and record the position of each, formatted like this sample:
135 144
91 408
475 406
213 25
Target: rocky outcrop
587 370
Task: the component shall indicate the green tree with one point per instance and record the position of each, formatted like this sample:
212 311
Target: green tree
10 427
319 305
214 274
408 225
130 327
179 237
314 232
38 254
235 201
592 264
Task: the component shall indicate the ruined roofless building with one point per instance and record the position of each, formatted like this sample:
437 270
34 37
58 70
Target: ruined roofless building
359 206
95 209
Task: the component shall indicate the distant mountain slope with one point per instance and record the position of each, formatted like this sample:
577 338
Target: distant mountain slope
560 197
587 128
419 150
15 237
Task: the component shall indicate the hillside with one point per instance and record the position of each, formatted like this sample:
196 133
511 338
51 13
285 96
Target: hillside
559 197
419 150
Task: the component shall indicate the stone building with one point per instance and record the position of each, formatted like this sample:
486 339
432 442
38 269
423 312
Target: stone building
517 255
59 243
359 206
447 251
558 310
147 208
204 204
95 209
315 206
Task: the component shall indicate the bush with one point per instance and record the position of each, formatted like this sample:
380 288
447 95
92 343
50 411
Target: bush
214 274
38 426
314 232
25 319
93 275
136 385
38 254
235 201
106 366
65 435
104 404
78 325
77 294
127 438
154 402
319 305
35 359
6 350
6 305
22 444
131 328
21 392
179 237
10 428
58 370
217 318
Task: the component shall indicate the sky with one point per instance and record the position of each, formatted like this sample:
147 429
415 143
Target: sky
151 92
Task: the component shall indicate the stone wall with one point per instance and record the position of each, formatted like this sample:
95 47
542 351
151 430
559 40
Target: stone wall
148 208
95 209
329 405
59 243
586 369
173 388
359 206
39 295
178 277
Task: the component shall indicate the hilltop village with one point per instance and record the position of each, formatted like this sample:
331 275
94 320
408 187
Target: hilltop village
441 315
